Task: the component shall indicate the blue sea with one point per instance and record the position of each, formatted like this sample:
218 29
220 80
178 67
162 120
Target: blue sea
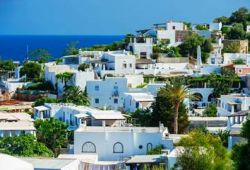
15 46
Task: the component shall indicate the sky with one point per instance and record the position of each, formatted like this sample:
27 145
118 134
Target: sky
105 17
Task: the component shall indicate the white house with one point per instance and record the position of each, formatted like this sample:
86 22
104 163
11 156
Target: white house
108 93
117 63
75 115
232 103
14 124
134 101
79 78
170 32
142 47
117 143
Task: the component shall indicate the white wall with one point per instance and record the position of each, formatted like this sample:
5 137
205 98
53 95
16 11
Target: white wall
166 34
134 80
104 90
248 28
175 26
104 142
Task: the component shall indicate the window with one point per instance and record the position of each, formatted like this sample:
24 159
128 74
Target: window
88 147
115 101
124 65
118 148
173 27
137 104
97 88
130 65
96 100
149 147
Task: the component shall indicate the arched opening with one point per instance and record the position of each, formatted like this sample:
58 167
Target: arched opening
197 97
118 147
149 147
211 98
88 147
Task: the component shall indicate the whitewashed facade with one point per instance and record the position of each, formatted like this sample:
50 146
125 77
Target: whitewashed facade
115 144
108 93
232 103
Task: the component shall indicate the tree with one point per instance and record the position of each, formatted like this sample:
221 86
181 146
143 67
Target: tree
189 47
64 77
241 151
202 151
239 62
223 135
236 32
7 65
240 16
177 93
24 145
83 67
201 27
71 48
74 94
42 101
32 70
210 111
41 55
233 47
223 19
53 133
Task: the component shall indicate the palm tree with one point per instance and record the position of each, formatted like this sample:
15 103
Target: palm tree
177 93
74 94
64 77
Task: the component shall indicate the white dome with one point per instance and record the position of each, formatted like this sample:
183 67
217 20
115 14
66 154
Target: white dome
8 162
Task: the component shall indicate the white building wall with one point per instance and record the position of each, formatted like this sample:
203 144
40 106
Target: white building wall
134 80
166 34
104 142
104 92
179 26
248 28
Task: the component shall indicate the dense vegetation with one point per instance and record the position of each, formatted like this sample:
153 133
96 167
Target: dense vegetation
24 145
202 151
31 70
53 133
241 151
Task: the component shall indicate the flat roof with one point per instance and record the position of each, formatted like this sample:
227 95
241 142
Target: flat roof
140 97
46 163
145 159
207 118
121 129
41 108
